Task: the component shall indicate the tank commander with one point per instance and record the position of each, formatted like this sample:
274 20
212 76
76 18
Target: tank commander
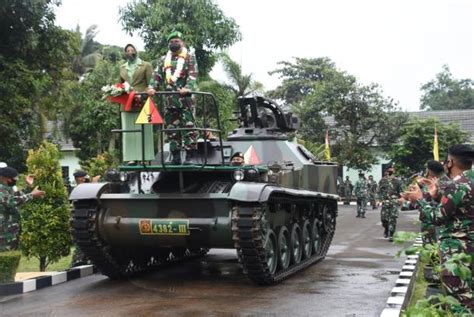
178 73
237 159
9 203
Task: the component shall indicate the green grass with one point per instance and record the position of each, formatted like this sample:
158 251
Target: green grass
32 264
420 285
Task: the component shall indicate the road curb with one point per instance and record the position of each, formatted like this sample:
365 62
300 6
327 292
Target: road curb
400 295
51 279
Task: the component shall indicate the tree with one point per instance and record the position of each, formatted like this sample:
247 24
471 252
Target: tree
416 143
240 84
446 93
45 222
364 119
89 53
33 55
91 117
202 22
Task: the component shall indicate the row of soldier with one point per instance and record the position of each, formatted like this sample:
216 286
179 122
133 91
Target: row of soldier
444 196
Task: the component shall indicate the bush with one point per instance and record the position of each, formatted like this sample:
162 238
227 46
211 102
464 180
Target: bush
9 261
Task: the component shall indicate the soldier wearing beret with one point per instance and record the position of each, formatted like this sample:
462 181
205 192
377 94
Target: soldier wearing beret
178 73
455 215
9 203
138 74
237 159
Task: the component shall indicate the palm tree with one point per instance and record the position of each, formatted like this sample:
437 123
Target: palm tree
89 52
241 85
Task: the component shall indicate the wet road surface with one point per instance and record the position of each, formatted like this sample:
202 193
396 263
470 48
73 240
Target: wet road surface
354 279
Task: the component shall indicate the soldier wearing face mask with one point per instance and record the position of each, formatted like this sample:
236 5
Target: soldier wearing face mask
138 74
455 215
9 203
178 72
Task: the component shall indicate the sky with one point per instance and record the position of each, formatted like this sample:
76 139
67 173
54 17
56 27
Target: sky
398 44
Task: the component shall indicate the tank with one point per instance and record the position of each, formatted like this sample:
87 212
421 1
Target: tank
278 210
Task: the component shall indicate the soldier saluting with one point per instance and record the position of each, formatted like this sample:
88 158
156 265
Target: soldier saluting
9 203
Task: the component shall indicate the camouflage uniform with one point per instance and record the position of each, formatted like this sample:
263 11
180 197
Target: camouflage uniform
347 192
390 188
427 227
361 191
10 216
372 193
179 109
455 215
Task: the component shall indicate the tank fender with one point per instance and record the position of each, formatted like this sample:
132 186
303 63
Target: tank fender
88 191
260 192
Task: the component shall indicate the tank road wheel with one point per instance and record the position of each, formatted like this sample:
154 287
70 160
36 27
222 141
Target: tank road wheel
271 251
329 221
295 243
315 236
306 240
284 256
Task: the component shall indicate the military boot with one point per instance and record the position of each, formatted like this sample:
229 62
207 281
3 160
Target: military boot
385 233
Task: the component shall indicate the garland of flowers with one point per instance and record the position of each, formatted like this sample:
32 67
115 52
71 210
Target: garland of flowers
171 78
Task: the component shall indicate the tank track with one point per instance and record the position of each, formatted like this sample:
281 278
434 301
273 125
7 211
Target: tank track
248 232
110 262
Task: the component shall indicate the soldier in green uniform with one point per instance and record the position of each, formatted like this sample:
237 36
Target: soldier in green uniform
9 203
138 74
361 191
372 184
178 72
390 188
455 214
347 191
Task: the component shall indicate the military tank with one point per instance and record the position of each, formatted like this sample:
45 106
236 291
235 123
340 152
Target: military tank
278 210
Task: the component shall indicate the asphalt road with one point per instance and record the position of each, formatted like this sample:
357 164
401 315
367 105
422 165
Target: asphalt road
354 279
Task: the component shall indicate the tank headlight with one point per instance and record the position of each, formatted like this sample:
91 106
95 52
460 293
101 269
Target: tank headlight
239 175
252 175
123 176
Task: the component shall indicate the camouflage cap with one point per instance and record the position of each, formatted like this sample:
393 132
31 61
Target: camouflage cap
8 172
462 150
174 34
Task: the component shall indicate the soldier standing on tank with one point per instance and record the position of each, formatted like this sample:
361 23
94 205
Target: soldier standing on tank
455 214
179 73
361 191
390 188
9 203
347 191
372 184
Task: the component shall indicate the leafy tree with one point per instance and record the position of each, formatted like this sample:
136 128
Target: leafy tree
446 93
363 117
416 143
45 222
91 118
33 55
203 23
89 53
98 166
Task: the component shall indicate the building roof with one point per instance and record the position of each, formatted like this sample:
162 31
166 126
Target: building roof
464 118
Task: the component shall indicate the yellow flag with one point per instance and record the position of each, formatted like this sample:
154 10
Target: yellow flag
327 149
435 146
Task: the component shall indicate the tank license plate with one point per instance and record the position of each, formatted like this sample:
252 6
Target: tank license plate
178 227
